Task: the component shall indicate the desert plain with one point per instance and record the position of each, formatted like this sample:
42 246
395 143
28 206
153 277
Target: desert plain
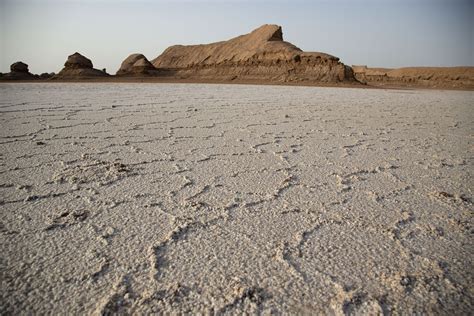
229 199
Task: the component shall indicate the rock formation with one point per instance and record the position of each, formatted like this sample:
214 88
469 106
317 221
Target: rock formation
19 67
441 77
78 66
19 71
259 55
46 75
76 60
135 65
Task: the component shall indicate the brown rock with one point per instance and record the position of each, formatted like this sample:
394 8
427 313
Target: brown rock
79 67
449 77
77 61
19 67
46 75
259 55
19 71
136 64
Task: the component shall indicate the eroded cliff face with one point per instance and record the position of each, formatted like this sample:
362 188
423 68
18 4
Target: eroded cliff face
259 55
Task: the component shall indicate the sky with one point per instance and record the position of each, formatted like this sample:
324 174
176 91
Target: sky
377 33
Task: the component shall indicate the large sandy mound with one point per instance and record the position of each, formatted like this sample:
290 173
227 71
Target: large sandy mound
77 67
259 55
136 64
418 76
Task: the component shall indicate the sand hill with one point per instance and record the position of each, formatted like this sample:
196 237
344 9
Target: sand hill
77 67
259 55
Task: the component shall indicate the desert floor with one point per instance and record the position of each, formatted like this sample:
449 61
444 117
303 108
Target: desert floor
142 198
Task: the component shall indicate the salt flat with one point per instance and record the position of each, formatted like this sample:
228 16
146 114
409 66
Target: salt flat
141 198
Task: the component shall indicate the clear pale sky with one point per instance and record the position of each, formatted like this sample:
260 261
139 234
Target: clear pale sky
378 33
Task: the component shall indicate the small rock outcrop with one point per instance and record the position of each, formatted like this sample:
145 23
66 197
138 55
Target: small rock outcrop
77 66
19 67
261 55
19 71
46 75
77 61
136 64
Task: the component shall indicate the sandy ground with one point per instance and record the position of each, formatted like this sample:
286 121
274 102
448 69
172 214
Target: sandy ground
141 198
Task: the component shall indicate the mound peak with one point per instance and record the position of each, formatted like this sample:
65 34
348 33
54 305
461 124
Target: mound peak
77 61
268 32
267 38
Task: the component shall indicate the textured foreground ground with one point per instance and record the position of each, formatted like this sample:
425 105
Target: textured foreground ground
212 198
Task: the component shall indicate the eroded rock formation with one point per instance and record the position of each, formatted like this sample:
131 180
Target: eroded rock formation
78 66
19 67
136 64
433 77
259 55
19 71
46 75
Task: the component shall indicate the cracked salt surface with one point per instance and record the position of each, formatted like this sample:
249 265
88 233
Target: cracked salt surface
141 198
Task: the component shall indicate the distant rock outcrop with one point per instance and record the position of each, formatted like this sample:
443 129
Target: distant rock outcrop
441 77
136 64
46 75
259 55
19 67
77 61
19 71
77 67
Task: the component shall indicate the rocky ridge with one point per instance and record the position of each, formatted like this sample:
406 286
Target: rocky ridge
259 55
449 77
